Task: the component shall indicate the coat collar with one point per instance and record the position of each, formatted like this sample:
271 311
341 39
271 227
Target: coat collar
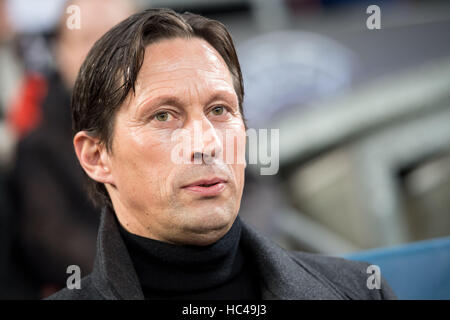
113 274
281 277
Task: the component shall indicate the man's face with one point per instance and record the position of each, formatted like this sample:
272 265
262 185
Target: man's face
96 18
183 84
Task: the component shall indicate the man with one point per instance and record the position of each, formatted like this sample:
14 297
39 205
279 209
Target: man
170 229
51 201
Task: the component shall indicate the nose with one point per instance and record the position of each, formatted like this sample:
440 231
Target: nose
206 142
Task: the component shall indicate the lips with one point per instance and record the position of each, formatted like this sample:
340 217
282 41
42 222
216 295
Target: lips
207 187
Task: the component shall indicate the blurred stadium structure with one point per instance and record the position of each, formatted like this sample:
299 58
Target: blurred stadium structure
364 117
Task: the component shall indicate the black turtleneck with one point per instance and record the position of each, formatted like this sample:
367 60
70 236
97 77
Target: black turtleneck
217 271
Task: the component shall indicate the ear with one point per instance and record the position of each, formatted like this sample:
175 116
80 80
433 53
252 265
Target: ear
93 157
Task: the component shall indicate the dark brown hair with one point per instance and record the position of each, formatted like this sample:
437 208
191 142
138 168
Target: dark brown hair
112 66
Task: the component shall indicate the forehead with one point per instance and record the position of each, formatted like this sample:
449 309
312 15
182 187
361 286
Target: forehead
181 61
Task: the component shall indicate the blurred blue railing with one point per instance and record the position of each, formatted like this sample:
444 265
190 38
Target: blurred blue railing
420 270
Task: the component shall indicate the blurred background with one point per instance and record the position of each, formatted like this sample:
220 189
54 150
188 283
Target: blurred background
363 116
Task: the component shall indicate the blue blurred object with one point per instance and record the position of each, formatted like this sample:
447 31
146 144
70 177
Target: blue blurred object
420 270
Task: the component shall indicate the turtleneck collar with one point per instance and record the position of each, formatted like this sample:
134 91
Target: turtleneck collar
167 268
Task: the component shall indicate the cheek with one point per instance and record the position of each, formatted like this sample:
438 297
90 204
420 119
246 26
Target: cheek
142 161
239 170
234 142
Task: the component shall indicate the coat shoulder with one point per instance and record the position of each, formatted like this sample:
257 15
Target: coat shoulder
348 276
86 292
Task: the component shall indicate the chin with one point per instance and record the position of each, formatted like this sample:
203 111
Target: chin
208 229
208 238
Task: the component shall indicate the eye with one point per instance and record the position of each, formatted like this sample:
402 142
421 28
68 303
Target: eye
162 116
217 111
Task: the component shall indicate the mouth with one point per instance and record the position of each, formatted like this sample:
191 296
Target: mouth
207 187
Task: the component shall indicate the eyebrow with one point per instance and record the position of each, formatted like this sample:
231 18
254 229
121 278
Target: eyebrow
177 102
149 104
224 95
164 99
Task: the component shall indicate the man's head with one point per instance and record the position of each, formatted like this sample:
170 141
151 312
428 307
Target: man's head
95 17
152 75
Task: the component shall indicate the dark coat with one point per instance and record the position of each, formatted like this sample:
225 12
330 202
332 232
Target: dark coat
48 201
283 274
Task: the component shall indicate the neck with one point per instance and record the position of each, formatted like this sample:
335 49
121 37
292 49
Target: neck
164 267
